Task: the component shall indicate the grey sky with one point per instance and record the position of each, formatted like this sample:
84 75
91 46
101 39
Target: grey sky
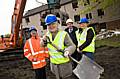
6 11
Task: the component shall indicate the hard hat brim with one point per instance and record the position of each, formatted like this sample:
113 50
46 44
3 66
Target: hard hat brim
33 29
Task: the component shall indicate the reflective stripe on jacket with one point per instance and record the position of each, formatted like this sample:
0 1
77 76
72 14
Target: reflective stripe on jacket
33 50
81 38
55 56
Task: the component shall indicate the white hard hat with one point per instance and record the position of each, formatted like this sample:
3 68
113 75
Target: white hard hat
69 20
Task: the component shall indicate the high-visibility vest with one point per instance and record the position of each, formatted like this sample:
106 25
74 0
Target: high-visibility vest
55 56
32 49
81 38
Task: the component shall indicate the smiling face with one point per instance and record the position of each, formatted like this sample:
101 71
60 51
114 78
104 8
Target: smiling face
53 27
83 25
33 33
69 25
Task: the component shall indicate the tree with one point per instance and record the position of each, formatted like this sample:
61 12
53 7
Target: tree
7 35
97 3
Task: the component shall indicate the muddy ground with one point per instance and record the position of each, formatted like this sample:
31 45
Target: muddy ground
107 57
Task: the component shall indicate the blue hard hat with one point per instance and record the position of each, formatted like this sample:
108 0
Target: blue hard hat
83 20
32 28
50 19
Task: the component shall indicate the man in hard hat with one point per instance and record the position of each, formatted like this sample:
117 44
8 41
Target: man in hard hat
36 54
60 62
86 38
71 31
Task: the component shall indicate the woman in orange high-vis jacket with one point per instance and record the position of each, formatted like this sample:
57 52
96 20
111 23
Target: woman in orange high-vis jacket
36 54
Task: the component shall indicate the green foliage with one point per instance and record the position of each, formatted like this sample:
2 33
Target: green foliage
110 42
96 3
7 35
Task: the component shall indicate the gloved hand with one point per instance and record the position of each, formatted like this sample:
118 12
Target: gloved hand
43 42
66 54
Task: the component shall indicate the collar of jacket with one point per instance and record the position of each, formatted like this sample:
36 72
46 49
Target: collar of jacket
80 30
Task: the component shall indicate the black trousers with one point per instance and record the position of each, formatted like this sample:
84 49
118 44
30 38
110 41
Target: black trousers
76 56
40 73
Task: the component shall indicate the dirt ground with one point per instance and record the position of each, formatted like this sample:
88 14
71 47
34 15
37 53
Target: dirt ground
107 57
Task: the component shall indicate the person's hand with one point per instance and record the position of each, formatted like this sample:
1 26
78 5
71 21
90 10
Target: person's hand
34 59
66 54
44 37
43 41
79 50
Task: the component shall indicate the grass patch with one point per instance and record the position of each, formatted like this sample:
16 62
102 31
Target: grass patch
110 42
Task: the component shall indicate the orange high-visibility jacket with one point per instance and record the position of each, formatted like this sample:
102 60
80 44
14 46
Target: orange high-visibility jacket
32 49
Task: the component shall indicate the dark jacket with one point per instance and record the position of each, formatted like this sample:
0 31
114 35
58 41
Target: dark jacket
72 34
